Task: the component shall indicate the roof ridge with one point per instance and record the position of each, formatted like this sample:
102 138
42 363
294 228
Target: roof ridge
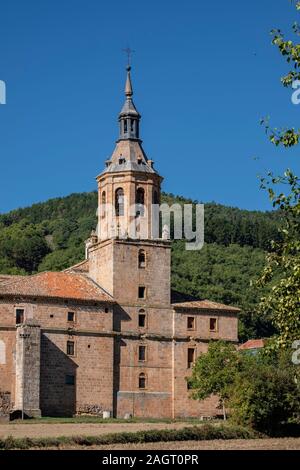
96 284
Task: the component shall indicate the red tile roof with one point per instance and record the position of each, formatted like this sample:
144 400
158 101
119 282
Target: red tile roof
82 267
55 285
187 301
253 344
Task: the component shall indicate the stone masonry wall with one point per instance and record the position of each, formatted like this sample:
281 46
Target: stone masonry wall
28 345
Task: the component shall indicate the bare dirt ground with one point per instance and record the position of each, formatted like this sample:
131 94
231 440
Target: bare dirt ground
93 429
82 429
235 444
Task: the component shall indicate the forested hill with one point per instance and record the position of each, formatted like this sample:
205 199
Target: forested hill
50 236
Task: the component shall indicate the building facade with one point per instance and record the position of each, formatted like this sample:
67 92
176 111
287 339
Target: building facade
109 334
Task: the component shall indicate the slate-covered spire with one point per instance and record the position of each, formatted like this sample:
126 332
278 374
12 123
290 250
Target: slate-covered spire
129 117
128 87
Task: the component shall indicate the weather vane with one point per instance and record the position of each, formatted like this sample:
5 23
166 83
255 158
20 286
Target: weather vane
129 53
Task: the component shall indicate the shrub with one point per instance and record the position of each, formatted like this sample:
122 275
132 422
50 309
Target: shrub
264 397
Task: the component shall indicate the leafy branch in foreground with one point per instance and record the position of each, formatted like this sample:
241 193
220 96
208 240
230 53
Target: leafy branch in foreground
290 51
282 303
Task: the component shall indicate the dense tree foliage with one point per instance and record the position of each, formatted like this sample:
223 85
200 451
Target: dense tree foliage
260 390
282 303
265 394
214 373
50 236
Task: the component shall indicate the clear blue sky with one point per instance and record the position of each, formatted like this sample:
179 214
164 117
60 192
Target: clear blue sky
204 73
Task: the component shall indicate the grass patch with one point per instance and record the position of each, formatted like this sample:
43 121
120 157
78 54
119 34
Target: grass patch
195 433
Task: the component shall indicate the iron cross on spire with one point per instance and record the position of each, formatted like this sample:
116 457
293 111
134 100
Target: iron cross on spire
129 53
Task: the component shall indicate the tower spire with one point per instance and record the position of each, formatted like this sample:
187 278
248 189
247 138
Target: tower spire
129 117
128 86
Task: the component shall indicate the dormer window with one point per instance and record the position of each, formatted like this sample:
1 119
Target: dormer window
139 160
121 160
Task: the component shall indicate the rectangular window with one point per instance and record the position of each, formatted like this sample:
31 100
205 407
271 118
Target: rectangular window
142 353
142 292
70 379
213 324
19 316
142 320
190 323
70 348
191 357
71 316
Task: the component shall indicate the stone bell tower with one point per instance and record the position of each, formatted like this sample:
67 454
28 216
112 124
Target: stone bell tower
130 260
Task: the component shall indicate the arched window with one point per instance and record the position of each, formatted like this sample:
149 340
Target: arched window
119 202
142 259
103 203
155 198
2 352
142 318
142 381
140 201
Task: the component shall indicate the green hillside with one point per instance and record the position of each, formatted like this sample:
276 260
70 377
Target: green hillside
50 235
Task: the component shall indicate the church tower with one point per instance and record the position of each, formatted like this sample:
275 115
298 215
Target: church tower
129 185
127 257
129 260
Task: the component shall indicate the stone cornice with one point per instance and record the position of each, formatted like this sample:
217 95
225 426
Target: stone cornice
131 335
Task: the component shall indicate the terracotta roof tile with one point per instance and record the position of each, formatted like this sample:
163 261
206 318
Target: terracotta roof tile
55 285
82 267
9 277
180 300
253 344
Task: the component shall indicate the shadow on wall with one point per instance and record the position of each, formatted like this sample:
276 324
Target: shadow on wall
120 315
58 381
5 405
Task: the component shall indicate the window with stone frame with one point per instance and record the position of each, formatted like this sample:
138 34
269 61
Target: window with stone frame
190 323
142 292
119 202
155 197
142 353
142 318
142 381
70 348
103 203
142 259
19 312
190 357
71 317
213 324
140 201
